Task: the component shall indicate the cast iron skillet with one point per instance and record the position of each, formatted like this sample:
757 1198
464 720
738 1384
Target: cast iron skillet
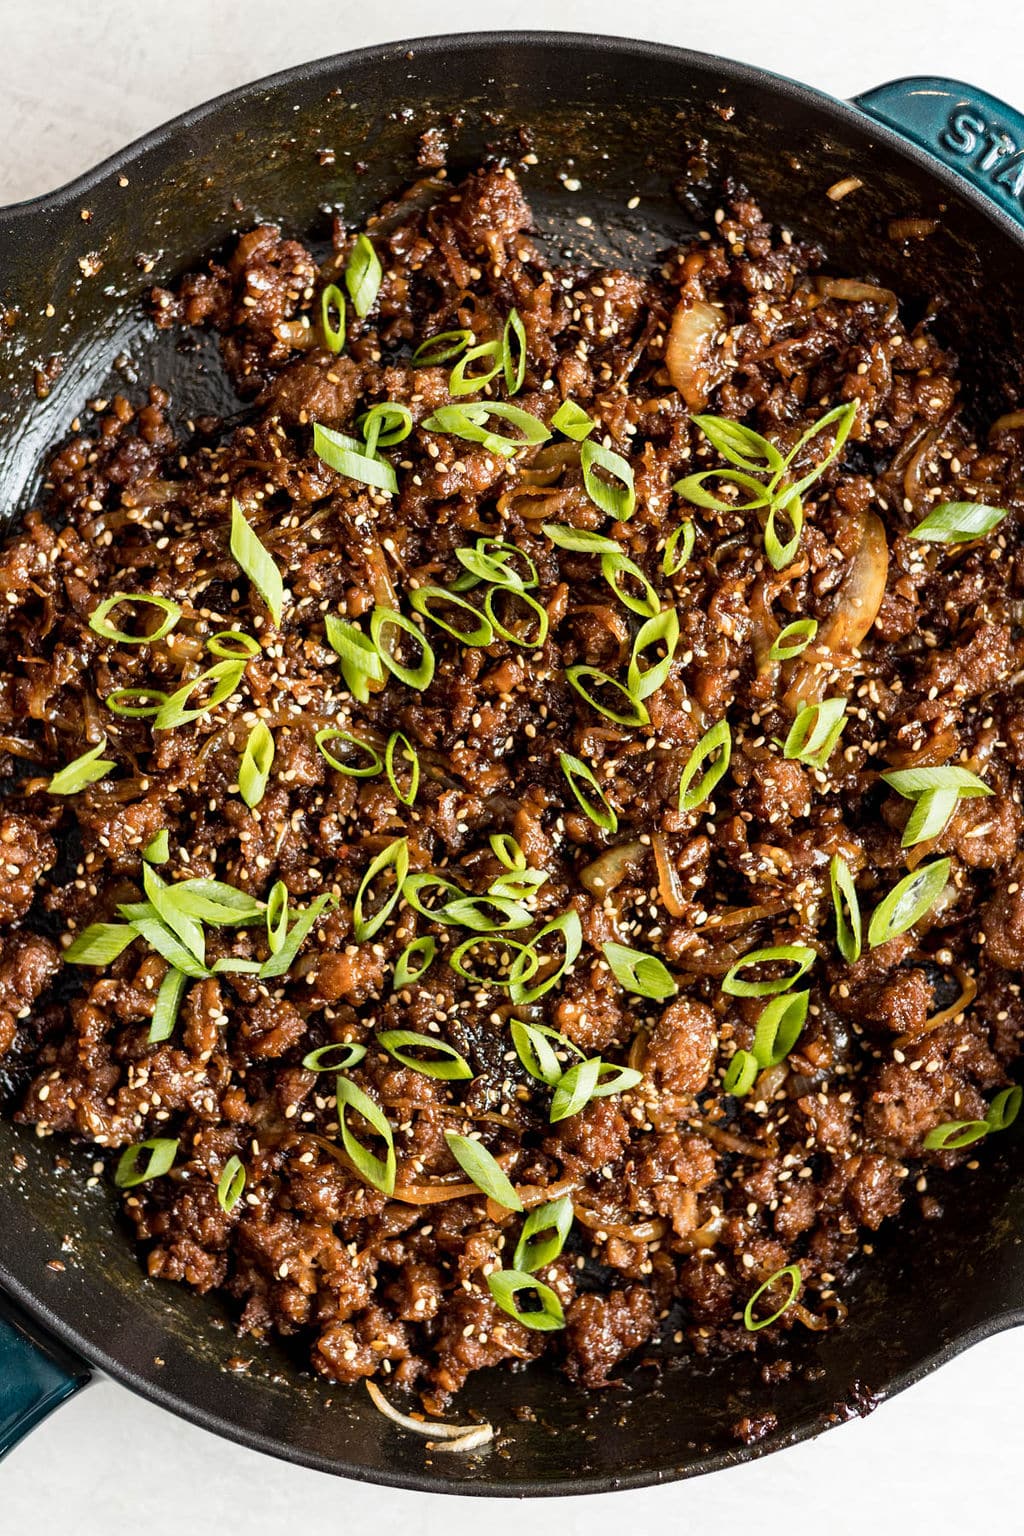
629 119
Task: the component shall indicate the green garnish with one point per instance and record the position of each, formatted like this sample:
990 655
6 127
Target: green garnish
908 901
815 731
614 568
662 629
442 348
336 1057
87 769
384 619
277 917
596 807
231 1184
394 857
791 1273
569 929
513 352
118 702
954 1134
161 1150
535 612
384 425
332 299
537 1055
543 1235
462 382
523 959
297 933
580 540
397 741
168 1001
935 792
257 761
378 1171
778 1027
793 639
346 456
849 928
362 276
360 659
740 1074
586 1080
505 1284
638 972
225 677
100 625
233 644
100 943
446 1063
256 563
572 421
715 745
635 714
799 955
491 560
616 496
414 961
679 548
423 600
353 770
486 1173
957 522
158 849
469 422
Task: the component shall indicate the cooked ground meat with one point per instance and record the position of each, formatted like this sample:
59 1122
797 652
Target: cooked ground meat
694 1153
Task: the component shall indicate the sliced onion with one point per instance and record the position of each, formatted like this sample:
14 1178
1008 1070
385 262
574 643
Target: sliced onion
912 229
968 991
1008 423
850 291
858 600
435 1430
690 356
669 888
610 868
651 1231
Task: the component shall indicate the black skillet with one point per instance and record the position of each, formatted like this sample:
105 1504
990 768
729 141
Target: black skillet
628 120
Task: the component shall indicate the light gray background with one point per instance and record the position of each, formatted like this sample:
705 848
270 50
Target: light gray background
78 80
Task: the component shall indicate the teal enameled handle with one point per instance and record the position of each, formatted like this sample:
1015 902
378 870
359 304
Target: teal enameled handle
971 132
36 1376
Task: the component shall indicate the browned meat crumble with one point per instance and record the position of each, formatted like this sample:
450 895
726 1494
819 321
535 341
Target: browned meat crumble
685 1197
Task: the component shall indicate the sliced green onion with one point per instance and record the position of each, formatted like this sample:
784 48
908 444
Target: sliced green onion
778 1027
692 487
257 761
485 914
87 769
1005 1108
513 352
507 851
214 901
639 972
908 901
815 731
506 1284
168 1001
662 629
158 849
256 563
101 625
790 1273
225 676
383 619
954 1134
535 612
161 1152
487 1174
912 782
740 1074
99 944
572 421
491 560
635 714
613 568
537 1055
397 740
159 937
297 933
394 857
679 548
378 1171
384 425
470 423
597 806
423 599
793 639
427 881
363 275
714 746
356 770
442 348
568 928
446 1064
800 955
414 961
929 817
231 1184
543 1235
233 644
336 1057
360 660
118 702
957 522
524 961
580 540
332 298
164 900
336 450
583 1082
277 917
780 552
842 417
741 445
462 382
845 902
618 499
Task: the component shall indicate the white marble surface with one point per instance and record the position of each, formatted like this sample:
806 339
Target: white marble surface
78 80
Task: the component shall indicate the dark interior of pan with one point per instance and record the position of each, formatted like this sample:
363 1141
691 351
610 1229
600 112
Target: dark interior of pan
628 121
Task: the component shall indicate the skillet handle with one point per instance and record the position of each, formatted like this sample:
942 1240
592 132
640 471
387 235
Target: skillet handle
971 132
36 1375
